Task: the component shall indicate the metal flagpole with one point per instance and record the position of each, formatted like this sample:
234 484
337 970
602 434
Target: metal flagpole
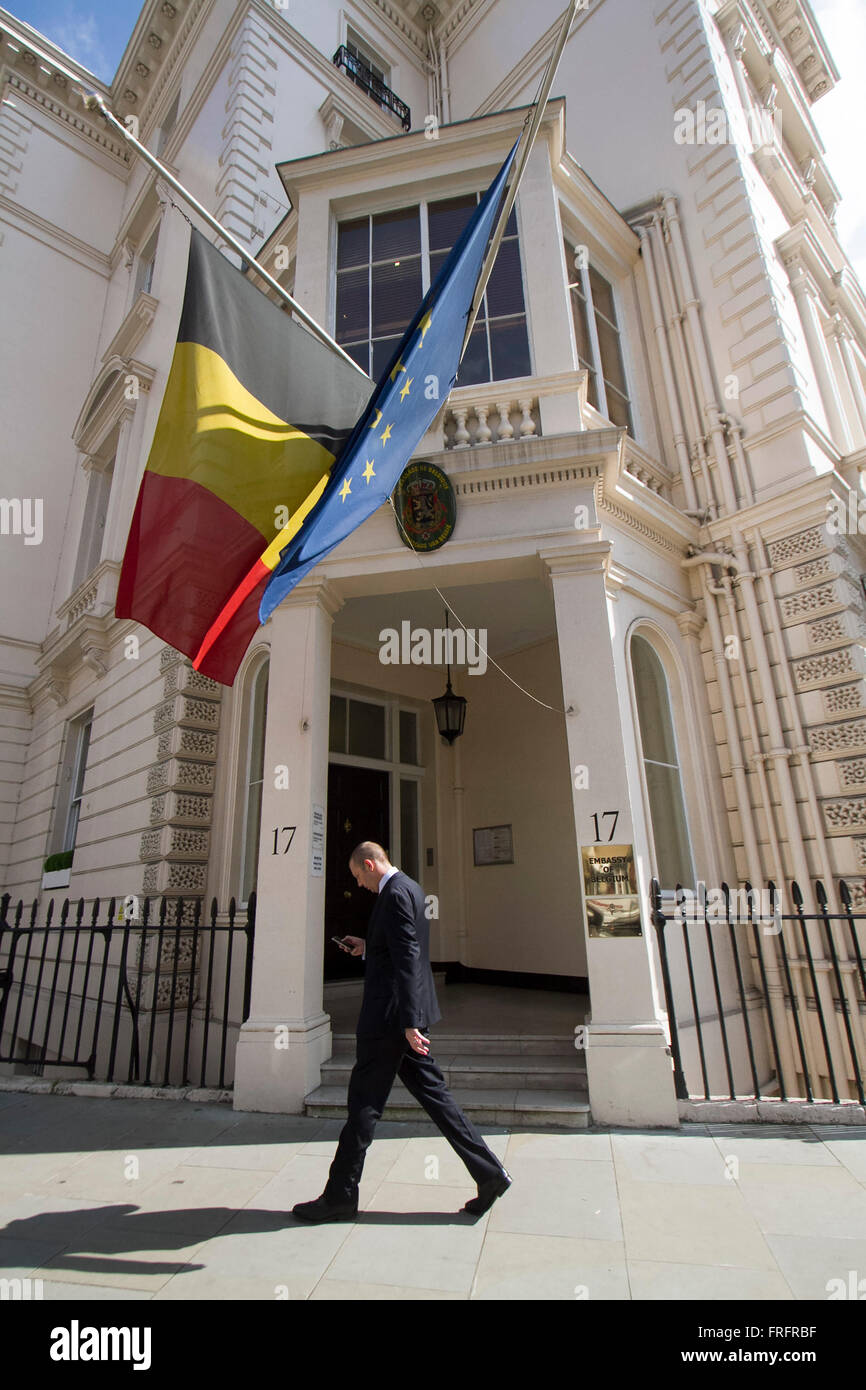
528 142
94 102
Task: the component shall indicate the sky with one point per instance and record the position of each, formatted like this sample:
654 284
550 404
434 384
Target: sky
97 31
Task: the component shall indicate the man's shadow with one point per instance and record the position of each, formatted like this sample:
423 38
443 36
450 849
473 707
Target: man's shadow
73 1246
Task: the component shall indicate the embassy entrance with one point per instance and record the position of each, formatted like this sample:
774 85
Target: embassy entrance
373 785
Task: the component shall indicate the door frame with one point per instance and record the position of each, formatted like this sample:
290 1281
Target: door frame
390 764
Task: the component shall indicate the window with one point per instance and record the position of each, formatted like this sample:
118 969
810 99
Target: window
145 264
357 727
670 836
93 527
78 747
251 786
360 50
598 343
387 261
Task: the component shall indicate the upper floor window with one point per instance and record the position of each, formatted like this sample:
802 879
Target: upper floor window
145 263
359 49
387 261
93 526
664 791
598 342
169 121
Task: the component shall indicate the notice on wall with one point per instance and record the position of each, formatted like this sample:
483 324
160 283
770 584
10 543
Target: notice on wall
317 843
493 844
610 890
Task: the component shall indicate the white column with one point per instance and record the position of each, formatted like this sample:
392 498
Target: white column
629 1071
804 295
288 1035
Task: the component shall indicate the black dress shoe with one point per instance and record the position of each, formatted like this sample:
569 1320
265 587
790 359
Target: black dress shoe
320 1210
487 1194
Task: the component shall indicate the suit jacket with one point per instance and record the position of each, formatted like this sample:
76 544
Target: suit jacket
398 981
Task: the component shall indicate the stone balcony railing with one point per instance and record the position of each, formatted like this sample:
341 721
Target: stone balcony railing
95 596
498 412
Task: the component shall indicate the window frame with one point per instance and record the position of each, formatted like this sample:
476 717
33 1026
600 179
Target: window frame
397 771
649 635
423 204
73 770
572 241
244 784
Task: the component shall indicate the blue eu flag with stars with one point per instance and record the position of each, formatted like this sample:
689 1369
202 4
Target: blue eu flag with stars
401 409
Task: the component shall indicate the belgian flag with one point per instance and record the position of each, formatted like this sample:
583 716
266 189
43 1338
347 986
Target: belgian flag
256 410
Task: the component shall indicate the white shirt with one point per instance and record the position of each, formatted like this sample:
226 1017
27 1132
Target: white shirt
382 881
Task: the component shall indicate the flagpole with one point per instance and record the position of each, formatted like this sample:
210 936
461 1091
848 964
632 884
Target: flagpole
94 102
528 142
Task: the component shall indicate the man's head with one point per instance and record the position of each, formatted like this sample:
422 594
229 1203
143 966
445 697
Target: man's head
368 862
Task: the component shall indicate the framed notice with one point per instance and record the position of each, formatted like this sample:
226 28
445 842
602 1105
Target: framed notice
317 843
610 891
493 844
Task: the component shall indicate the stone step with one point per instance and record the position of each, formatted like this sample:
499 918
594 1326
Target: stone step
532 1107
479 1071
484 1044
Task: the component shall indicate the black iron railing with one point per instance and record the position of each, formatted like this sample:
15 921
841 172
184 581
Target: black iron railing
364 77
763 1004
145 1000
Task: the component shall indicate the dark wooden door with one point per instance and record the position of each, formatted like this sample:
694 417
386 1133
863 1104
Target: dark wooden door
358 806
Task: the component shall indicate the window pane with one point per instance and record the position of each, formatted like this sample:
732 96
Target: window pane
602 294
259 719
447 219
670 836
611 361
353 305
383 351
353 243
360 353
505 287
337 734
437 260
251 839
509 347
654 715
409 827
475 366
618 408
408 737
581 326
397 234
366 729
396 295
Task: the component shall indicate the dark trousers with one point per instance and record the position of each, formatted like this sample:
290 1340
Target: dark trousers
379 1062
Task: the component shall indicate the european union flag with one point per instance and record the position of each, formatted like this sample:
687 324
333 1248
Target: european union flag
400 411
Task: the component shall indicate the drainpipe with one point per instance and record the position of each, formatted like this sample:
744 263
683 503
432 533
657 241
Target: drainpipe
445 85
691 307
680 445
433 64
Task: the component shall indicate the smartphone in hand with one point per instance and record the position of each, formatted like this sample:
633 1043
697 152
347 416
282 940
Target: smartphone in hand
341 943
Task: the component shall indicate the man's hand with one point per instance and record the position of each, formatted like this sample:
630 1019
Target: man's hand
354 945
417 1041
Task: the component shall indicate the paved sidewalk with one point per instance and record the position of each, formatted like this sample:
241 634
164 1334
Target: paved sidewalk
712 1212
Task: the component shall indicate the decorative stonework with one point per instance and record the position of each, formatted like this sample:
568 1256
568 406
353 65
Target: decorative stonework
845 698
790 548
180 782
817 670
826 597
843 816
840 627
832 738
860 853
852 772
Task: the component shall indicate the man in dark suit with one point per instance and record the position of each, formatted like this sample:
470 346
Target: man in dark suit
399 1004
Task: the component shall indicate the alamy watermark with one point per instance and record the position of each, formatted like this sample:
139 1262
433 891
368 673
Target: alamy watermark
421 646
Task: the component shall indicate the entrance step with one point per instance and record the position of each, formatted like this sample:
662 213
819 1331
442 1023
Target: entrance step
534 1081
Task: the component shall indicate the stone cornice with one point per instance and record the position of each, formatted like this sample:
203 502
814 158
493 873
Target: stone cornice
478 140
56 237
68 110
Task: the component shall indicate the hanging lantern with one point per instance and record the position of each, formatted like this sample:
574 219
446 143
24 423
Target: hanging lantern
450 708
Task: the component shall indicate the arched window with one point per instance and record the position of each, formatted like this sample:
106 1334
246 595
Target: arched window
669 827
251 777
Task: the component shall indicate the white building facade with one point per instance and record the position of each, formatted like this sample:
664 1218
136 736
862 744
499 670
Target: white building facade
655 447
